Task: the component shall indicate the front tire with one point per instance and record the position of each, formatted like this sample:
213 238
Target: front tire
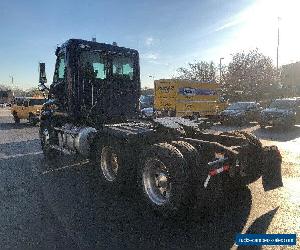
111 164
262 126
242 122
48 137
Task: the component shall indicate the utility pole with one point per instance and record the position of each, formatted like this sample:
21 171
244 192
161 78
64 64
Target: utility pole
277 56
221 68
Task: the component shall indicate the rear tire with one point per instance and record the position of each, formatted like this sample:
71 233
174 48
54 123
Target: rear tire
32 120
16 118
164 179
192 157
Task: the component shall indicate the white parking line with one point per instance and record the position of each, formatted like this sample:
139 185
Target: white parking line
67 166
7 157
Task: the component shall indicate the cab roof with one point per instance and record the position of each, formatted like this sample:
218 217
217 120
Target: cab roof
246 102
84 44
286 99
29 97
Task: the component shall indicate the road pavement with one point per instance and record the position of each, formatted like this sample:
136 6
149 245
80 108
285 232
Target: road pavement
64 206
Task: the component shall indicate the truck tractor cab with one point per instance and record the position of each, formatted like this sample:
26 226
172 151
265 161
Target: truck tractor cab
92 112
95 81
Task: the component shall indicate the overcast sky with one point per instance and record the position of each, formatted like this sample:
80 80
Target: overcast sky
168 34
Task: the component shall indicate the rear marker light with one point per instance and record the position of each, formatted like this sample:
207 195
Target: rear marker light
215 172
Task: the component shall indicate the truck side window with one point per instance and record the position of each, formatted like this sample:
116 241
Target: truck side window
61 68
99 69
25 103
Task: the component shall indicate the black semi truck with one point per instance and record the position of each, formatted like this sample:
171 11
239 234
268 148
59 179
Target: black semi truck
93 111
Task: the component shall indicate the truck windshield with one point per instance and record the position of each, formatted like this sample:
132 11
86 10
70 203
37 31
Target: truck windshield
238 106
283 104
123 67
93 62
33 102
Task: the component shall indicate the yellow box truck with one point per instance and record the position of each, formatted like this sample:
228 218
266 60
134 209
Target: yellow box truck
185 98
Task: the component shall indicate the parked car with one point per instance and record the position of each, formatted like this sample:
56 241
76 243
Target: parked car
240 113
147 112
5 105
146 101
27 108
280 113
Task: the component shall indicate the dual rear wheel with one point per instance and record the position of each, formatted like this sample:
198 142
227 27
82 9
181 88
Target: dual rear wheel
165 173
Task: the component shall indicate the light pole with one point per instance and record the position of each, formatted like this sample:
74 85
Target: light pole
221 68
12 84
152 78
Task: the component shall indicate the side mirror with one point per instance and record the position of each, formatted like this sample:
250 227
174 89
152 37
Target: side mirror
42 69
42 79
42 87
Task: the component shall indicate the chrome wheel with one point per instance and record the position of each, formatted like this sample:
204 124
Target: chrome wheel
156 181
109 163
46 137
32 120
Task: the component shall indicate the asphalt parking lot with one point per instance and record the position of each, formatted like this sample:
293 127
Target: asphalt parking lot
63 207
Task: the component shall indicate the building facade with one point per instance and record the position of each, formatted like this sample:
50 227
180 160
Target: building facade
290 77
290 74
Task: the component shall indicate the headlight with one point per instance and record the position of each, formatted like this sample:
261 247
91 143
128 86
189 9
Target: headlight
219 155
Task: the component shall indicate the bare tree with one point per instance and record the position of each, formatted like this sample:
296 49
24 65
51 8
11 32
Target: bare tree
252 75
3 87
147 91
199 71
33 92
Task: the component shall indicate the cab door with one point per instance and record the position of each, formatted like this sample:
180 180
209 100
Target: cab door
17 107
23 111
298 112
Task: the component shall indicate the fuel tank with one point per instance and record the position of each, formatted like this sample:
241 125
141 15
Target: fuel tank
77 139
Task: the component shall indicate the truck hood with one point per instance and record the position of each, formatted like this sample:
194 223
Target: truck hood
232 112
276 112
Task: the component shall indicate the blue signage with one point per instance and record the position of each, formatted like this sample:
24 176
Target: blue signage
196 91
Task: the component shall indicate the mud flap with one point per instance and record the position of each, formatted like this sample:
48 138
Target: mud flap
271 174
